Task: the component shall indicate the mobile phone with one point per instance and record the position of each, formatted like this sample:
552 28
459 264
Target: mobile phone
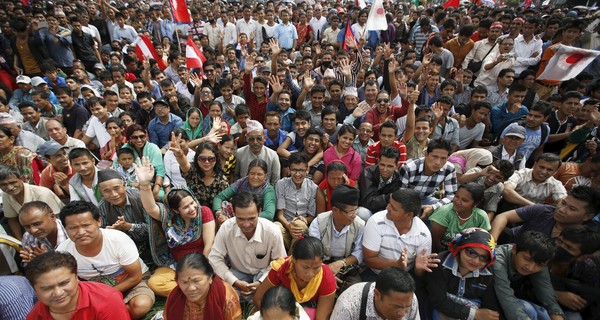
43 24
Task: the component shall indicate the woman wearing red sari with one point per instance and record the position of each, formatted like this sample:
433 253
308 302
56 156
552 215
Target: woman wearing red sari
305 31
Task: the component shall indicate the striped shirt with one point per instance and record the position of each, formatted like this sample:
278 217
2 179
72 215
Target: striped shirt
382 236
374 151
413 176
17 297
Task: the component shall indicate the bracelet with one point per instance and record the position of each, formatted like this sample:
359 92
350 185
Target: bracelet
145 188
145 185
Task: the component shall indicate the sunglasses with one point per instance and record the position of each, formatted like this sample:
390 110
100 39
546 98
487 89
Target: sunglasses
253 139
140 137
207 159
473 254
383 100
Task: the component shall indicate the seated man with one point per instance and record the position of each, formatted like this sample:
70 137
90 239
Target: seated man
387 138
255 149
530 186
381 245
247 243
579 207
43 231
574 277
377 182
84 183
58 132
107 256
296 200
16 193
57 272
58 172
471 131
341 232
523 267
160 128
444 126
121 209
492 178
508 148
96 129
393 287
425 175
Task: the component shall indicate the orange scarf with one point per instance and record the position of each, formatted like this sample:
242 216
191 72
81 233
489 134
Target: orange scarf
284 267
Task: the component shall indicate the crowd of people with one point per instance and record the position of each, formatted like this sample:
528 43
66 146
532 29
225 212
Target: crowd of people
311 168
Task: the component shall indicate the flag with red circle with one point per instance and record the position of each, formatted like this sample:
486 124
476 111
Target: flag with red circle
376 19
567 63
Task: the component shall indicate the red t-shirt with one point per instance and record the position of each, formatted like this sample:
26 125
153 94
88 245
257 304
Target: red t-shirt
97 301
327 287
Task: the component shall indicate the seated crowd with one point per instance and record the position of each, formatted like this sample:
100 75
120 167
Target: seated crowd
423 172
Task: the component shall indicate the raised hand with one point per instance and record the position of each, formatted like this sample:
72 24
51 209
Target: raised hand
361 110
459 75
413 96
308 82
275 84
274 45
427 58
425 262
146 64
144 170
346 68
249 66
387 52
216 124
196 80
174 145
437 109
214 137
392 67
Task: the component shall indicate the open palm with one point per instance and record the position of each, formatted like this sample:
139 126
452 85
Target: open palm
144 170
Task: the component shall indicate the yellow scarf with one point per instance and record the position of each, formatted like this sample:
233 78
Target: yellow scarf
311 288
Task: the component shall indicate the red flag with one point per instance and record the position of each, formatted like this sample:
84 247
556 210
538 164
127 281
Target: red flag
567 63
451 4
193 56
145 49
26 3
348 35
180 11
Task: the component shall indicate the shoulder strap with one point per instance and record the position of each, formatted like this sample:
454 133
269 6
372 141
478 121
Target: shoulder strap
363 301
492 48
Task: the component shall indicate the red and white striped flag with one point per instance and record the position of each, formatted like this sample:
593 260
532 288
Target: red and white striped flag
180 11
567 63
194 57
145 50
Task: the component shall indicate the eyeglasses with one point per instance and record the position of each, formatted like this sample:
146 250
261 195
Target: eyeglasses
140 137
365 130
349 213
260 61
207 159
383 100
253 139
473 254
297 171
209 70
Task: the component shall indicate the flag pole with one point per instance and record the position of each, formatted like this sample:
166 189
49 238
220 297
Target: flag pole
178 41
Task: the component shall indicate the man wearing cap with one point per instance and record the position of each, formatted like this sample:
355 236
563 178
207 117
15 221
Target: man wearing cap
34 122
121 209
256 150
245 245
16 193
340 230
482 47
508 149
160 128
23 138
57 173
23 94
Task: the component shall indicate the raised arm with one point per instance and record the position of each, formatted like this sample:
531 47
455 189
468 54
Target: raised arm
145 172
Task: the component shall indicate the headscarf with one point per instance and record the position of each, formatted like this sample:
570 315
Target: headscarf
284 267
463 160
213 306
170 232
242 185
193 133
474 238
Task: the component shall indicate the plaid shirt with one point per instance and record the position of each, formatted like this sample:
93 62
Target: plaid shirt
413 177
61 235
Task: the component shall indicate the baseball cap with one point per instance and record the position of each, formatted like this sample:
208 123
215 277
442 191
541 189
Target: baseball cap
36 81
50 148
516 131
23 79
99 66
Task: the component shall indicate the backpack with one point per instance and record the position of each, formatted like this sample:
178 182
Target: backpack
520 121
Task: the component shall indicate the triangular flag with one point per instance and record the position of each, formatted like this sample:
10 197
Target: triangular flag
145 49
567 63
376 20
193 56
451 4
180 11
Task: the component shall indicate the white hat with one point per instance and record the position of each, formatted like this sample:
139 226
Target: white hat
23 79
351 91
253 125
36 81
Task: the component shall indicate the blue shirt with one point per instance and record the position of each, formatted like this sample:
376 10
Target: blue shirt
18 97
274 144
160 133
61 83
533 139
500 115
17 297
286 34
287 124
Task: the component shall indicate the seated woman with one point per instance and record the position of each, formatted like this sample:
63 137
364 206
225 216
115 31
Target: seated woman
335 175
204 177
279 304
25 160
312 282
215 118
344 152
178 226
200 294
114 127
462 286
450 219
255 182
227 157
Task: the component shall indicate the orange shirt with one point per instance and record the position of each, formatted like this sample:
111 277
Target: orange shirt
548 54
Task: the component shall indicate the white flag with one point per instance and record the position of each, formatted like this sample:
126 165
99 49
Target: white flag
567 63
376 20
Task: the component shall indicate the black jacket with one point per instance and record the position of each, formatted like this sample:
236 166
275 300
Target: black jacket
372 197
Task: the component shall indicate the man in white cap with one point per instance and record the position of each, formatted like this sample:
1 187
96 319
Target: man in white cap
508 149
24 138
22 94
39 84
255 149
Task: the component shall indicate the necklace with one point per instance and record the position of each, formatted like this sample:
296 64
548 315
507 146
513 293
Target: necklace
464 219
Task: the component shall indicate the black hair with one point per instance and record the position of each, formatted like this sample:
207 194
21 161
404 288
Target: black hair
482 104
542 107
128 151
588 195
336 166
259 163
448 82
409 199
587 238
43 94
281 298
241 109
436 42
479 89
503 72
298 158
183 133
80 152
308 248
245 200
114 120
466 31
390 125
439 144
390 152
302 115
27 104
570 95
133 128
7 171
78 207
394 279
329 110
505 167
47 262
166 82
211 147
196 261
314 131
39 205
347 128
537 244
475 189
446 100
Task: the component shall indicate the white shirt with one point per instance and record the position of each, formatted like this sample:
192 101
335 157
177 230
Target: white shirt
247 27
127 32
359 31
96 129
230 34
523 51
317 26
115 89
172 167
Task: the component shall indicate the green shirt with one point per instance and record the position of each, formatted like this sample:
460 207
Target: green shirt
448 218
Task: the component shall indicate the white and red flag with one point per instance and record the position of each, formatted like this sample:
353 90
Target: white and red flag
193 56
180 11
145 50
567 63
376 19
360 3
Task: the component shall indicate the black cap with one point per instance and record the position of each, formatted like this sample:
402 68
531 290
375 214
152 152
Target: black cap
345 194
